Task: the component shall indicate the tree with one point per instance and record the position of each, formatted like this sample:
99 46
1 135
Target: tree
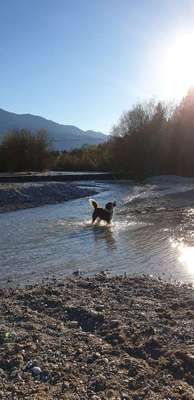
24 151
182 136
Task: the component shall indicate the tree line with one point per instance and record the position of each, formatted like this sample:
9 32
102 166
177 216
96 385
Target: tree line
156 138
152 138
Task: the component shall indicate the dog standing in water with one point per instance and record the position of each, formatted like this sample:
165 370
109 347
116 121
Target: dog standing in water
104 214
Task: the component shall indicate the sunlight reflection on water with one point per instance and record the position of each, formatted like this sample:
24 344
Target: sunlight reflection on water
187 257
185 254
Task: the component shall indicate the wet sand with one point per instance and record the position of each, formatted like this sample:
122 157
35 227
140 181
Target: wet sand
97 338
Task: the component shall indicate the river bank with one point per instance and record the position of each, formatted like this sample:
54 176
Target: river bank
97 338
16 196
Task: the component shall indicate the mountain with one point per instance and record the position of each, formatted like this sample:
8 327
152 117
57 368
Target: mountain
64 137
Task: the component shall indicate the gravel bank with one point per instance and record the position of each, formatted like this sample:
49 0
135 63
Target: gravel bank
27 195
97 338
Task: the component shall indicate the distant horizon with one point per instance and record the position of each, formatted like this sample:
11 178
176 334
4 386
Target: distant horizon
84 63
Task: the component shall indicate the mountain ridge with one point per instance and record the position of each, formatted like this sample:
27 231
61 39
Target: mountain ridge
64 136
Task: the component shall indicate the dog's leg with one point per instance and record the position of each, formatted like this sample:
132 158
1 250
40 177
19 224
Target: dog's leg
94 217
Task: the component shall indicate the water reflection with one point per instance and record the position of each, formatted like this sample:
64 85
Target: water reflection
185 254
105 233
187 257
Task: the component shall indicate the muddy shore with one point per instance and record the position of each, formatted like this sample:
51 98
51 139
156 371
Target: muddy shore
97 338
17 196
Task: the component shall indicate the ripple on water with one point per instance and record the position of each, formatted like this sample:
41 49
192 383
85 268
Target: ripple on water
73 223
59 239
115 225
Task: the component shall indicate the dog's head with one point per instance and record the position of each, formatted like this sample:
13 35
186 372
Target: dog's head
110 205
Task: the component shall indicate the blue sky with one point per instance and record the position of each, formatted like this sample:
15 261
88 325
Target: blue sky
83 62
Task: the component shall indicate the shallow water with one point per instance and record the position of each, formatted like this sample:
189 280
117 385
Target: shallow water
152 233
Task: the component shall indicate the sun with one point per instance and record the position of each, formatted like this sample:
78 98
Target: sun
177 66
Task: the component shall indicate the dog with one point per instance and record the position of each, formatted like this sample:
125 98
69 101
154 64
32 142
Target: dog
104 214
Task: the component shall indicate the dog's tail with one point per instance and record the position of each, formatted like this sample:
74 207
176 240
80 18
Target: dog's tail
93 203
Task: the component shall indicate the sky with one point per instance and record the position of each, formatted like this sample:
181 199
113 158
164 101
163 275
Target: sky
84 62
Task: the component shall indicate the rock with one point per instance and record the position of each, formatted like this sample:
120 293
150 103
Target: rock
44 376
132 383
29 364
36 370
77 272
67 367
73 324
115 323
189 359
111 394
99 307
98 383
65 386
124 396
17 361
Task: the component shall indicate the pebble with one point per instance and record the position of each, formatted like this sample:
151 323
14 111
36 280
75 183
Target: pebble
189 359
77 272
124 396
98 383
65 385
115 323
99 307
36 370
110 394
73 324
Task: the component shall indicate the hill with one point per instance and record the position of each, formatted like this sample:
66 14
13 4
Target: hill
64 137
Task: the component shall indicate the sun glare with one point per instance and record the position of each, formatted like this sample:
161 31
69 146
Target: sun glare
177 67
187 258
185 255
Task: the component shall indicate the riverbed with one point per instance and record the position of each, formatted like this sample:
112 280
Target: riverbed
152 233
97 338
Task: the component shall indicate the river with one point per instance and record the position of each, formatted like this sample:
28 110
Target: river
152 233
